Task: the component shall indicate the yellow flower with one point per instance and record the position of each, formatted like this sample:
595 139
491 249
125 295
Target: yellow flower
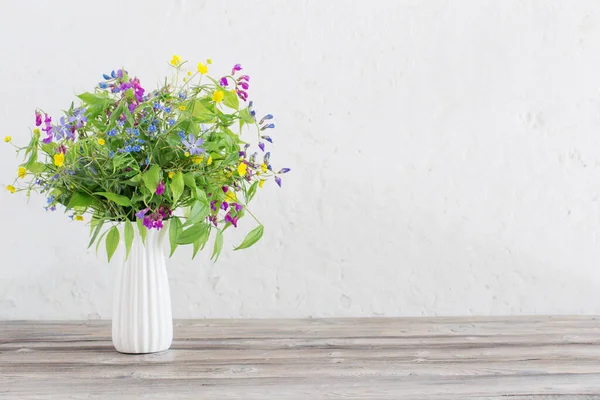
171 174
101 142
209 61
176 60
197 159
182 107
7 139
11 188
203 69
59 159
264 167
187 153
218 96
36 132
230 196
209 161
242 169
22 172
261 183
78 218
185 79
189 73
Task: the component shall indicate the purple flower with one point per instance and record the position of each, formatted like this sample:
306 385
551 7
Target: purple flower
142 213
278 181
160 189
236 67
238 207
270 126
194 147
244 78
232 220
242 95
223 82
266 117
262 146
284 171
212 205
79 117
224 206
225 189
38 118
148 223
244 85
267 138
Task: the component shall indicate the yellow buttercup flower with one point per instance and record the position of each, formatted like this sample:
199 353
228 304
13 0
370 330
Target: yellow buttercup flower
11 188
218 96
230 196
59 159
189 73
203 69
264 167
101 142
187 153
176 60
78 218
182 107
209 61
171 174
261 183
209 161
242 169
197 159
7 139
22 172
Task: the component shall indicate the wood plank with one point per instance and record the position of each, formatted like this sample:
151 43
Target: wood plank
370 358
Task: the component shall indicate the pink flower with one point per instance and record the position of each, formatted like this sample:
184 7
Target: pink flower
160 189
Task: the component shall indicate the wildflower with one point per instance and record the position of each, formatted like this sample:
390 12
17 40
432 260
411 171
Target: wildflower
136 148
278 181
111 154
236 67
103 85
22 172
171 122
182 107
209 161
140 214
171 174
261 145
78 218
270 126
176 60
197 159
11 188
112 132
7 139
284 171
151 128
79 117
182 95
224 206
203 69
189 73
101 142
261 183
244 85
128 149
223 82
193 147
218 96
209 61
160 189
230 196
187 153
267 138
242 95
263 167
232 220
37 132
244 78
59 159
38 118
266 117
242 169
181 134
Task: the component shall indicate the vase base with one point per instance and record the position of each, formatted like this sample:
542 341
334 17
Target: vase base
133 353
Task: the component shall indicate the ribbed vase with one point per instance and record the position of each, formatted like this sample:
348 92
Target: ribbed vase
142 320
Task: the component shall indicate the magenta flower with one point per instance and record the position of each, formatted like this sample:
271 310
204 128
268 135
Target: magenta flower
224 206
160 189
242 95
232 220
244 78
38 118
223 82
236 67
244 85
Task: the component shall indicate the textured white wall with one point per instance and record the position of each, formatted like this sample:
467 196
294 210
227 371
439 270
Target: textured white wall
445 155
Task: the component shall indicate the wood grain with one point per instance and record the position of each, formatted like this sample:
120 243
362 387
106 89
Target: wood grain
371 358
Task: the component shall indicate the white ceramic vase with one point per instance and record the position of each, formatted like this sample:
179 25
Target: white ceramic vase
142 321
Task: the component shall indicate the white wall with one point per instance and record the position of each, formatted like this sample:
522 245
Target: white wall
445 155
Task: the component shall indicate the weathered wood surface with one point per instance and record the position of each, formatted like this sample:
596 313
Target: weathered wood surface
371 358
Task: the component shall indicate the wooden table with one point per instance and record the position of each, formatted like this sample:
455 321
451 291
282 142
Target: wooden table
370 358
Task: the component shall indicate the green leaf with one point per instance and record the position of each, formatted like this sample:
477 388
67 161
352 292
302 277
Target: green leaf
218 246
251 192
198 212
189 181
231 99
192 234
201 242
100 240
117 198
151 178
96 232
37 167
246 116
252 237
201 196
93 99
80 199
128 234
174 232
112 241
142 230
177 187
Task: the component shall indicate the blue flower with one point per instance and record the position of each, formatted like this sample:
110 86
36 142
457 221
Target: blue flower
111 154
151 128
270 126
182 95
120 123
103 85
128 149
266 117
106 76
267 138
50 199
141 141
194 147
136 148
112 132
136 132
167 109
181 134
171 122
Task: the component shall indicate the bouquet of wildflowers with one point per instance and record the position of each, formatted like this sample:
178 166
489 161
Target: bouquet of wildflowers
125 156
